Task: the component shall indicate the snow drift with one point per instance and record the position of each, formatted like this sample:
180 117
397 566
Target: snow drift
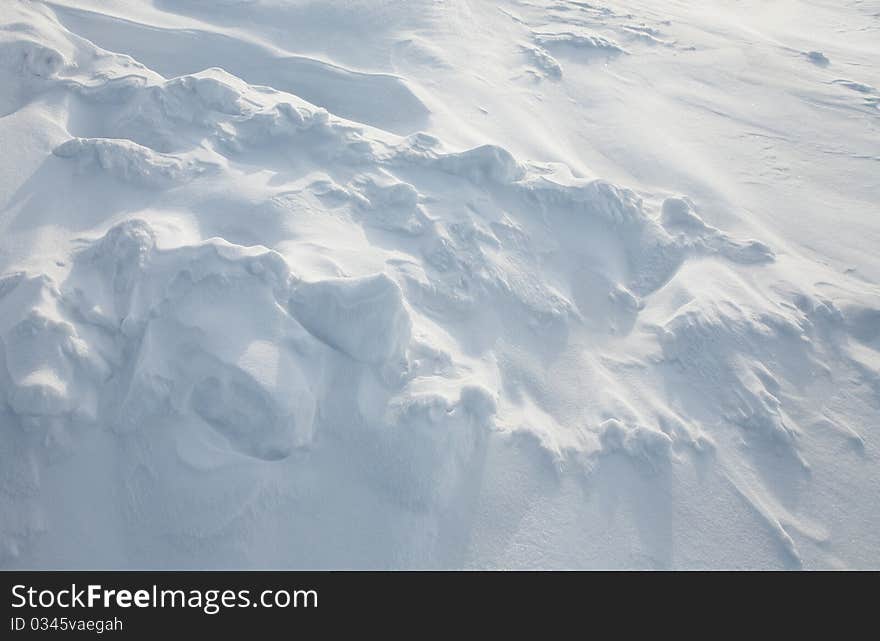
277 311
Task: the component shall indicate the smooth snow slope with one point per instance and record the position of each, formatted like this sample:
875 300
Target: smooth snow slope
440 283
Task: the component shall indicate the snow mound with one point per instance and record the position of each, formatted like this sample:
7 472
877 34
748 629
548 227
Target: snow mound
146 304
488 163
52 371
589 42
678 216
542 59
363 317
130 162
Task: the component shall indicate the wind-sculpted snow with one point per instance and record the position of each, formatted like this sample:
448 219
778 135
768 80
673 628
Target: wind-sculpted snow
129 161
362 317
268 311
381 100
585 41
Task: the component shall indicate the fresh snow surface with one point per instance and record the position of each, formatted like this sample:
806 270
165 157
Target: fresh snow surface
440 284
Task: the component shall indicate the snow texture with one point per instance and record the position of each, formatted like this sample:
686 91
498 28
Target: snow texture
423 284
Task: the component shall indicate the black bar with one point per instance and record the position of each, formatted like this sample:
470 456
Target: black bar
376 601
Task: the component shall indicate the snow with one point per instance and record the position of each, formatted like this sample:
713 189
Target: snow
439 284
